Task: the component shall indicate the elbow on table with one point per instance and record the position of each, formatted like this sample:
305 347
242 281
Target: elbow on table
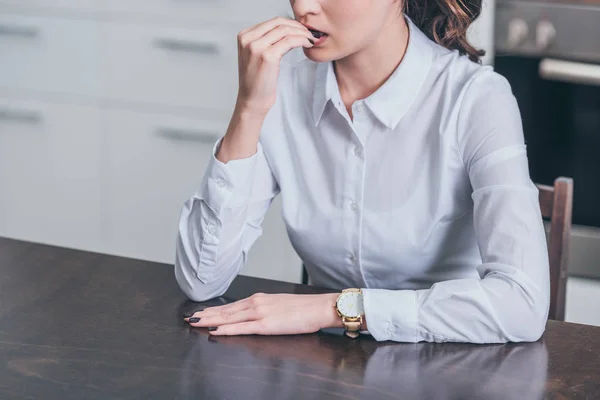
531 325
532 332
194 288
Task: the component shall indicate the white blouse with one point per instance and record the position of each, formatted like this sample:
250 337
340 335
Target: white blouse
423 199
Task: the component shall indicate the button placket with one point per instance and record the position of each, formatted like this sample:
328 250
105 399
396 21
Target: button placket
353 189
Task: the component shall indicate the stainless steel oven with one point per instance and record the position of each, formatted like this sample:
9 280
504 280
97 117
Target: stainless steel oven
550 53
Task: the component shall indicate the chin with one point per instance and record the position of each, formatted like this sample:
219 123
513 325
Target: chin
318 55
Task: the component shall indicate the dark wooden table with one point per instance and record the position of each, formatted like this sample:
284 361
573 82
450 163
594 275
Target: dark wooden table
79 325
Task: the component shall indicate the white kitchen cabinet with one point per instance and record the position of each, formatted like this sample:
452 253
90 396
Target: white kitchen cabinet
583 301
212 11
50 54
52 4
170 65
50 185
154 164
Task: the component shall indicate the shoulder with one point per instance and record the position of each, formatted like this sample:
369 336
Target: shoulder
487 84
484 99
487 106
462 78
477 104
468 89
485 112
470 99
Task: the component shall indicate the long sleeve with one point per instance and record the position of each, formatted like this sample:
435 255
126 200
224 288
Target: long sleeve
219 223
510 300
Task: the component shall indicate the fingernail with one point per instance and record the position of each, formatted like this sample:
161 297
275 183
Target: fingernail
311 41
187 314
194 320
212 329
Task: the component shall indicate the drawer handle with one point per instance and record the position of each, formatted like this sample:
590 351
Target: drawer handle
569 71
188 46
21 116
19 31
182 135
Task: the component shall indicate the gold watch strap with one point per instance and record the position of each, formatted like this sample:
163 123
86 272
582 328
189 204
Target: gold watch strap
352 328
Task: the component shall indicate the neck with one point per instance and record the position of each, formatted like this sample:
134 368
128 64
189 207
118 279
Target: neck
358 75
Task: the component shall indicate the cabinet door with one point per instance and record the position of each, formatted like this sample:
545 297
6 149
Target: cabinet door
156 162
50 187
49 54
229 11
171 65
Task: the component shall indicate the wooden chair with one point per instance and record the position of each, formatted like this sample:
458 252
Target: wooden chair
556 203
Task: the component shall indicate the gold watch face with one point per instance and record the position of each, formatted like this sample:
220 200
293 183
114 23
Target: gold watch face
350 304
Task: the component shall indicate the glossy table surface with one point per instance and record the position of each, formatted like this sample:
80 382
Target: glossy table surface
79 325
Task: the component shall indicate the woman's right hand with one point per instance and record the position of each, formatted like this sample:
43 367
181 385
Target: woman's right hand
260 49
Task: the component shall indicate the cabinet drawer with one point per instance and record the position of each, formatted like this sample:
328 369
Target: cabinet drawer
50 173
155 164
52 4
237 11
55 55
171 65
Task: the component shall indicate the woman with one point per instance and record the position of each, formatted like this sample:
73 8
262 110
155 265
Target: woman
403 172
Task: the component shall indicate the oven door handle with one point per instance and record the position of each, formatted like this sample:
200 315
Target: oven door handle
569 71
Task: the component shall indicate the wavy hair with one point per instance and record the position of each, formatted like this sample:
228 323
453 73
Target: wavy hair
446 22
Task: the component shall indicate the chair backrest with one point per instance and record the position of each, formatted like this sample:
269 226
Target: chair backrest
556 203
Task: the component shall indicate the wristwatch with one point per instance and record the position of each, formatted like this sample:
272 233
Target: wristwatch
350 307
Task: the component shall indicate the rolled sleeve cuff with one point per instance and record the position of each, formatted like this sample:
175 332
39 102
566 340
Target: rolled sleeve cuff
391 314
230 184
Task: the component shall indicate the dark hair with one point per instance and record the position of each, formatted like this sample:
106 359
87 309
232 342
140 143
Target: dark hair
446 22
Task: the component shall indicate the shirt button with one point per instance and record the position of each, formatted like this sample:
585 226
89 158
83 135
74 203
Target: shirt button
353 206
212 230
357 151
359 107
220 184
352 258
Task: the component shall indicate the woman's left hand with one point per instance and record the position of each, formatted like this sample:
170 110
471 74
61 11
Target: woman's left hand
270 314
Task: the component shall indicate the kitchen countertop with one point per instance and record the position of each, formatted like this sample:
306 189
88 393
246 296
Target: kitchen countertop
80 325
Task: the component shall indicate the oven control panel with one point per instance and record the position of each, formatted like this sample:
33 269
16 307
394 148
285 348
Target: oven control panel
548 29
